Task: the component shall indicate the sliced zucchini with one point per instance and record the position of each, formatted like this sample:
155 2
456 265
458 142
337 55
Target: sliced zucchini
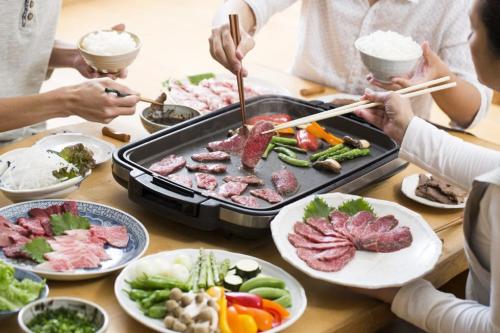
247 268
233 282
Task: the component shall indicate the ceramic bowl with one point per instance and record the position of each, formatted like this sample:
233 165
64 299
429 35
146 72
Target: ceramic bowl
91 310
384 69
109 63
180 112
21 274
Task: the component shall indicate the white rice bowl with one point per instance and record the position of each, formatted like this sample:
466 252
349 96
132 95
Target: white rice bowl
389 45
109 43
30 169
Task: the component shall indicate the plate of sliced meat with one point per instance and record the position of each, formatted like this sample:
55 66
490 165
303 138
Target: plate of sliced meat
69 240
353 241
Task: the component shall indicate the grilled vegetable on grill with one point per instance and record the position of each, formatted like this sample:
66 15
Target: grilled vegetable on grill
351 154
326 152
307 140
286 151
284 141
356 143
329 165
296 149
318 131
294 161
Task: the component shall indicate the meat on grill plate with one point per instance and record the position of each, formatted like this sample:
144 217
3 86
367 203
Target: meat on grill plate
213 156
256 144
285 182
168 165
207 168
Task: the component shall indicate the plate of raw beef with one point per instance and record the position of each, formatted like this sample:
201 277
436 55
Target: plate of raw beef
387 248
69 240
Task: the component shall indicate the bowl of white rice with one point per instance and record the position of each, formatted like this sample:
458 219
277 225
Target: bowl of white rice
388 54
109 51
26 174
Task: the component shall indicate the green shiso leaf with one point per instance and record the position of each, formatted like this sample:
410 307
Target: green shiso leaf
355 206
317 208
68 221
37 248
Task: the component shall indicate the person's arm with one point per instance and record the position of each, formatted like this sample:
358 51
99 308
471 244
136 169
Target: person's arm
437 312
446 156
87 100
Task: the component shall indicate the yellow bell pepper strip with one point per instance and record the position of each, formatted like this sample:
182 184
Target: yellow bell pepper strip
218 294
318 131
240 323
263 319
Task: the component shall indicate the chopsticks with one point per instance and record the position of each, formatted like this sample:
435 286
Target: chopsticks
456 221
235 34
408 92
120 94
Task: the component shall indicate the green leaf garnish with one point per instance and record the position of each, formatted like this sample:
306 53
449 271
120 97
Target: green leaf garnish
317 208
67 221
355 206
79 156
36 248
196 79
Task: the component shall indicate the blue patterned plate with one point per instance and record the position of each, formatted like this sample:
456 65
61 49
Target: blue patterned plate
20 275
97 214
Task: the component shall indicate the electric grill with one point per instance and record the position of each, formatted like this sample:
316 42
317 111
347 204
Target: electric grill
196 209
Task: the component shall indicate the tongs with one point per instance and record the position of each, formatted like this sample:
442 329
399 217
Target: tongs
235 34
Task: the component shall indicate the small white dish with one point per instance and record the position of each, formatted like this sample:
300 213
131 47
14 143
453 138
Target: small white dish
299 300
408 187
92 311
103 151
368 270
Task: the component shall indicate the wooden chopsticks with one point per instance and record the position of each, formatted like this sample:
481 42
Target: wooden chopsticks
408 92
120 94
456 221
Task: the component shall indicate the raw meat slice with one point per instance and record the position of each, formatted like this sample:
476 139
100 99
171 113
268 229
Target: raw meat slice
214 156
181 180
33 225
250 180
267 194
301 242
116 235
232 145
312 234
245 200
47 227
71 243
58 265
333 265
38 212
256 144
357 223
210 168
206 181
230 189
10 237
70 207
75 258
168 165
285 182
4 223
81 235
391 241
382 224
15 251
334 253
339 220
324 226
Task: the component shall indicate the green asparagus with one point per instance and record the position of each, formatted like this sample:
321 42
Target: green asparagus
333 149
351 154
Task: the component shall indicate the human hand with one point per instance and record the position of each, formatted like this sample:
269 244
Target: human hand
430 67
393 117
385 295
224 50
88 100
90 73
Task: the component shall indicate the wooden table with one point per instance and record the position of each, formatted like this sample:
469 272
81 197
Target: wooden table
330 308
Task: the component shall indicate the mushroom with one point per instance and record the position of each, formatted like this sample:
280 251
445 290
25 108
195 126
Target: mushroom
186 319
169 321
178 326
209 315
171 305
329 165
178 311
200 297
201 328
176 294
356 143
186 299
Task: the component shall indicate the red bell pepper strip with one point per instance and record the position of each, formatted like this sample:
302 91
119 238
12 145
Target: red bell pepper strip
277 118
306 140
245 299
263 318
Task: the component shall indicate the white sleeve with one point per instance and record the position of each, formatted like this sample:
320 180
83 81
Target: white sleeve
446 156
264 9
434 311
455 52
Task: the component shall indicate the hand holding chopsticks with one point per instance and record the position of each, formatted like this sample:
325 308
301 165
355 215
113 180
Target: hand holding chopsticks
120 94
409 92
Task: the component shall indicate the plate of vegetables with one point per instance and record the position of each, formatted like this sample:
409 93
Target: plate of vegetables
18 288
192 290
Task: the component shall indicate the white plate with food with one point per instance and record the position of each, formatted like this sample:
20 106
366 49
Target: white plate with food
339 99
102 150
186 269
387 247
69 240
438 190
209 92
52 176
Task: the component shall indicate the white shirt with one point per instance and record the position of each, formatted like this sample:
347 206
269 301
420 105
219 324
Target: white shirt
27 30
329 28
460 163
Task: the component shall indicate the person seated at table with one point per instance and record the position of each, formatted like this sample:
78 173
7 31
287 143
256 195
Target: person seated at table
28 54
465 164
326 52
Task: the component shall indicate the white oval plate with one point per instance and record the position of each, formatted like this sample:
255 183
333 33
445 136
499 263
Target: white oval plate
367 270
97 214
103 151
408 187
299 301
329 98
